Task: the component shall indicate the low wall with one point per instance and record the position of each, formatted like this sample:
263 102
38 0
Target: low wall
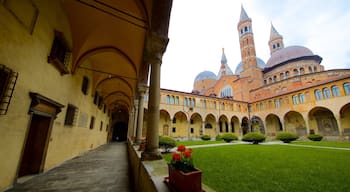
146 176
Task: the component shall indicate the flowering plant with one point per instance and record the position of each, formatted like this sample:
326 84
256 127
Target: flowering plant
182 160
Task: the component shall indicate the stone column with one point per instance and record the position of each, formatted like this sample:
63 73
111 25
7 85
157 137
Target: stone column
340 128
203 127
155 47
136 107
142 90
130 123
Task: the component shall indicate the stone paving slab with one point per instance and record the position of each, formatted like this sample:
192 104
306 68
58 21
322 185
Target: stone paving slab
104 169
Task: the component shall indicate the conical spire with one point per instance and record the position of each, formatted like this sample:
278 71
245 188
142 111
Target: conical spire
274 34
223 57
244 15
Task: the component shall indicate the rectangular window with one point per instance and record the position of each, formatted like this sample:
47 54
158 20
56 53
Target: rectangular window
101 125
174 129
295 99
60 54
8 80
71 115
92 122
192 130
301 98
96 98
85 85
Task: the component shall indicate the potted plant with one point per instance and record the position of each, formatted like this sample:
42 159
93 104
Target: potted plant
183 176
142 146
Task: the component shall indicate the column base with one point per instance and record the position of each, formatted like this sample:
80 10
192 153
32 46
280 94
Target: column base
149 156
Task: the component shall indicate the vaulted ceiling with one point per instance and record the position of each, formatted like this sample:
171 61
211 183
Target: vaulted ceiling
108 39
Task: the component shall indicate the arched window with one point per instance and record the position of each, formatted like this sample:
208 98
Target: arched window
347 88
287 74
284 89
226 92
277 91
281 102
177 100
335 91
310 70
302 71
185 101
270 80
277 103
265 82
274 78
296 72
301 98
326 93
315 69
261 106
318 94
295 99
172 99
167 100
282 76
204 104
193 102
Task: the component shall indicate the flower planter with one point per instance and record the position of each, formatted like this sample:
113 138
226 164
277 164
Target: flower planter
181 182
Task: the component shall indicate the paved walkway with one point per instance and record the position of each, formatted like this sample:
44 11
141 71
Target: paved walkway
101 170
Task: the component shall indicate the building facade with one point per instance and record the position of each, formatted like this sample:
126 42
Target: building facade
290 92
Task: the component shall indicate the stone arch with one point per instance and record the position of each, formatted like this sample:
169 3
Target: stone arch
273 124
223 124
323 120
196 125
164 123
257 124
245 125
294 123
180 124
345 119
235 124
210 125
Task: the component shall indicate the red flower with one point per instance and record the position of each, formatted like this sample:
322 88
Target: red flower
176 157
189 149
187 154
181 148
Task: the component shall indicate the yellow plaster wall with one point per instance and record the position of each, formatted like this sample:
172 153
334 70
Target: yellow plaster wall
26 54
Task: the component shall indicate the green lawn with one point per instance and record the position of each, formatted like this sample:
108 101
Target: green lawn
273 168
324 143
197 142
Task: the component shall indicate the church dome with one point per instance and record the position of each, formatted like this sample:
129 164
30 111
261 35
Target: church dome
239 68
205 75
286 54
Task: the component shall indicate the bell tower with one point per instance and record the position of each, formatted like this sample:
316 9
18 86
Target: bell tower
248 54
276 40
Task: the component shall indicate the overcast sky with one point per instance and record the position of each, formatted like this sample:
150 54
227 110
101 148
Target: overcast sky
199 29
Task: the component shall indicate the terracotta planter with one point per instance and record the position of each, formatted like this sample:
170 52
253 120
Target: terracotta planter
181 182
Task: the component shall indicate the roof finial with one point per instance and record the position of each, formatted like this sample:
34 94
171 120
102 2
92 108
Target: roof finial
223 57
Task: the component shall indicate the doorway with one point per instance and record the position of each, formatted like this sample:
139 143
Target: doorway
120 131
34 154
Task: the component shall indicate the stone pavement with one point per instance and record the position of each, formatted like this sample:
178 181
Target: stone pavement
101 170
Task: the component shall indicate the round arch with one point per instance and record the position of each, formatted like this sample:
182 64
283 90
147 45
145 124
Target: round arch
235 124
273 124
258 124
345 119
323 120
164 123
294 123
196 125
245 125
223 124
180 125
210 125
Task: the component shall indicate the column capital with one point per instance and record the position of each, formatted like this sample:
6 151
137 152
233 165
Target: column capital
155 48
142 88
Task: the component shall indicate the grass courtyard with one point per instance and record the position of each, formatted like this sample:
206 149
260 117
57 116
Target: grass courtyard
273 168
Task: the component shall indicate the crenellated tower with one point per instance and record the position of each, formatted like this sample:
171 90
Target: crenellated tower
276 40
248 54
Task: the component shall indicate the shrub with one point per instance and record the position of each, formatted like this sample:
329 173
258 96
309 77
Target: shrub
315 137
254 137
218 138
166 143
205 137
287 137
228 137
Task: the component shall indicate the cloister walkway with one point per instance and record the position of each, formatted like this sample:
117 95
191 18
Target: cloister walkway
104 169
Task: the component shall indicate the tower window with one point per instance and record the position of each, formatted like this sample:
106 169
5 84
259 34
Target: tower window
274 46
278 44
245 29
